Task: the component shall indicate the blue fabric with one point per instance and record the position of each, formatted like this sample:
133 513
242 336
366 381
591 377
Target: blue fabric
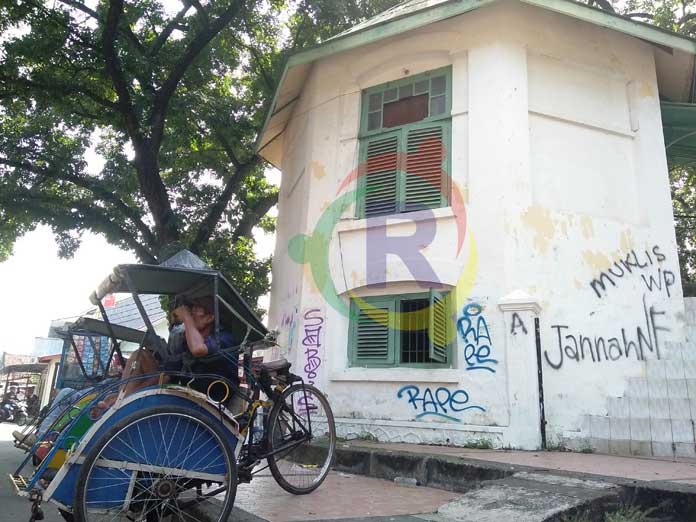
226 341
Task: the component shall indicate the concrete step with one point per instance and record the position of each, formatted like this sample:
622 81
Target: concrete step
644 388
659 436
526 497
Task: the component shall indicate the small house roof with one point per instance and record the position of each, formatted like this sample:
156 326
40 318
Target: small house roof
676 60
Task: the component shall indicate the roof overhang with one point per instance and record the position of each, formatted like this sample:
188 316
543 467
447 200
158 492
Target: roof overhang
675 58
679 125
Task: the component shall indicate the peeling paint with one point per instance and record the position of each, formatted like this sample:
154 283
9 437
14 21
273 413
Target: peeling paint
318 169
587 227
646 90
597 261
539 219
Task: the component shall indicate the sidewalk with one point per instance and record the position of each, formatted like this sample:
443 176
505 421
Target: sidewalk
649 469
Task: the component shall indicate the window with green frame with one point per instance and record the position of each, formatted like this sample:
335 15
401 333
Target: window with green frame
405 135
401 330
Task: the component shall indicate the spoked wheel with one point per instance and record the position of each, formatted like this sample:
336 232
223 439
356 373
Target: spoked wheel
301 420
159 464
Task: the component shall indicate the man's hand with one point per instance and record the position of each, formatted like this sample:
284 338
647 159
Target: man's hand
182 313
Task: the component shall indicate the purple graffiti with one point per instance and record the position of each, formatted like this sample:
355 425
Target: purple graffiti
311 343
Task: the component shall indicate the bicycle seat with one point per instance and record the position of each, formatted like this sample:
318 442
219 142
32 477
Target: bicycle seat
275 366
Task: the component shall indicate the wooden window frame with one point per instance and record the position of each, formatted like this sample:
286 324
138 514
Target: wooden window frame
394 350
443 120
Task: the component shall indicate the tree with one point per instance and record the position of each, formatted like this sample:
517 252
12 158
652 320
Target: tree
173 101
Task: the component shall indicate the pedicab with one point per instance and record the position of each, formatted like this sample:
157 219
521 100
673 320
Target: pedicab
174 444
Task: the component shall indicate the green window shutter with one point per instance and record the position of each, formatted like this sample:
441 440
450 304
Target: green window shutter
380 192
438 326
426 182
373 335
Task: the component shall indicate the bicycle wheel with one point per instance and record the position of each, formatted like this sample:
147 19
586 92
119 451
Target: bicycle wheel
166 463
301 430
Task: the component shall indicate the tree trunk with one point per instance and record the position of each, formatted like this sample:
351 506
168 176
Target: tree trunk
166 229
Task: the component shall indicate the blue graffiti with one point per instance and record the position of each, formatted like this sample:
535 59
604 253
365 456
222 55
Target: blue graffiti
477 339
440 403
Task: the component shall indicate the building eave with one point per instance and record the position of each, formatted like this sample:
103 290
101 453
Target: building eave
280 110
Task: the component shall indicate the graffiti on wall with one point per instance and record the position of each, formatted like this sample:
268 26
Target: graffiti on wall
646 264
440 402
473 329
312 326
289 322
517 325
574 346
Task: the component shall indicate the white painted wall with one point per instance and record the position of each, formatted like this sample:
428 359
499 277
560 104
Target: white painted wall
557 149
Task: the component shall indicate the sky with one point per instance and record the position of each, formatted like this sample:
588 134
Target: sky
38 287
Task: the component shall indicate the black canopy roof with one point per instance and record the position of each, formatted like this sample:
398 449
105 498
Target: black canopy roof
90 326
235 313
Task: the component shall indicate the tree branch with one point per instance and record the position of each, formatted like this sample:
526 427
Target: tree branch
193 49
127 32
227 147
167 31
215 211
24 84
55 212
100 192
113 69
252 215
201 11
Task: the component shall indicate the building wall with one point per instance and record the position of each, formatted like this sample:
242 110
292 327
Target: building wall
558 154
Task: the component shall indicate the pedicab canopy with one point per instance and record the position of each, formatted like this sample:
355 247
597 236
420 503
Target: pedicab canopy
234 313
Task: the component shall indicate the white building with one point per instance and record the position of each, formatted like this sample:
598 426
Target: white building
501 166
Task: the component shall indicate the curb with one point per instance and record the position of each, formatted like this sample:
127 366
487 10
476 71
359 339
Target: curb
462 474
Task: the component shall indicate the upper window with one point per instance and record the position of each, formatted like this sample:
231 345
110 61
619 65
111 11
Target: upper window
400 330
405 145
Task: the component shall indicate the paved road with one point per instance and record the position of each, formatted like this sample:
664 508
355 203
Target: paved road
14 508
342 496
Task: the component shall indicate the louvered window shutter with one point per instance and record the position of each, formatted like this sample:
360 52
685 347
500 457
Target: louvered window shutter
439 324
373 339
379 183
426 181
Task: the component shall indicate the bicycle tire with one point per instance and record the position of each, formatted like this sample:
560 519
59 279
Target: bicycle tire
79 512
274 425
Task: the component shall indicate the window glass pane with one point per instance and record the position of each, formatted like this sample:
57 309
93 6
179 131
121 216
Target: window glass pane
437 86
375 102
374 120
405 91
390 95
413 340
437 105
406 111
421 87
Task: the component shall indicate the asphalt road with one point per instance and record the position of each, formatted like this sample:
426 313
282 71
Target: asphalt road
12 507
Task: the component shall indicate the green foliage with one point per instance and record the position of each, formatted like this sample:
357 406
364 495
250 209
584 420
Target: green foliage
172 95
480 443
631 514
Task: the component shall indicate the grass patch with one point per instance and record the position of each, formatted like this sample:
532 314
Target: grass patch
481 443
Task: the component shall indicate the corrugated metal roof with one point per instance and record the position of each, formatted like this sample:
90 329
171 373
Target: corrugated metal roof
126 313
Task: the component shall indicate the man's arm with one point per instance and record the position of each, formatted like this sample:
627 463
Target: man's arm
194 339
